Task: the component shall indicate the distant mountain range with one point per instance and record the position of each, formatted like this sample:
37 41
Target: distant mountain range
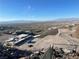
16 21
62 20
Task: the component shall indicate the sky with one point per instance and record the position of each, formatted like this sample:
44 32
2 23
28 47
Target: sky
38 10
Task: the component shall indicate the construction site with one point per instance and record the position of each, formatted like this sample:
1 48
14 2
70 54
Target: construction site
53 43
39 29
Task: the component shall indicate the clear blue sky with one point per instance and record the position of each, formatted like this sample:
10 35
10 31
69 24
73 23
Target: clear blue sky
38 9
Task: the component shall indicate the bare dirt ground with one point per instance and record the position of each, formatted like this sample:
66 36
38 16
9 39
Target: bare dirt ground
49 40
4 37
46 42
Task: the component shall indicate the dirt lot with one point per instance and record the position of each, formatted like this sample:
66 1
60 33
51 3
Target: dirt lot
4 37
46 42
49 40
